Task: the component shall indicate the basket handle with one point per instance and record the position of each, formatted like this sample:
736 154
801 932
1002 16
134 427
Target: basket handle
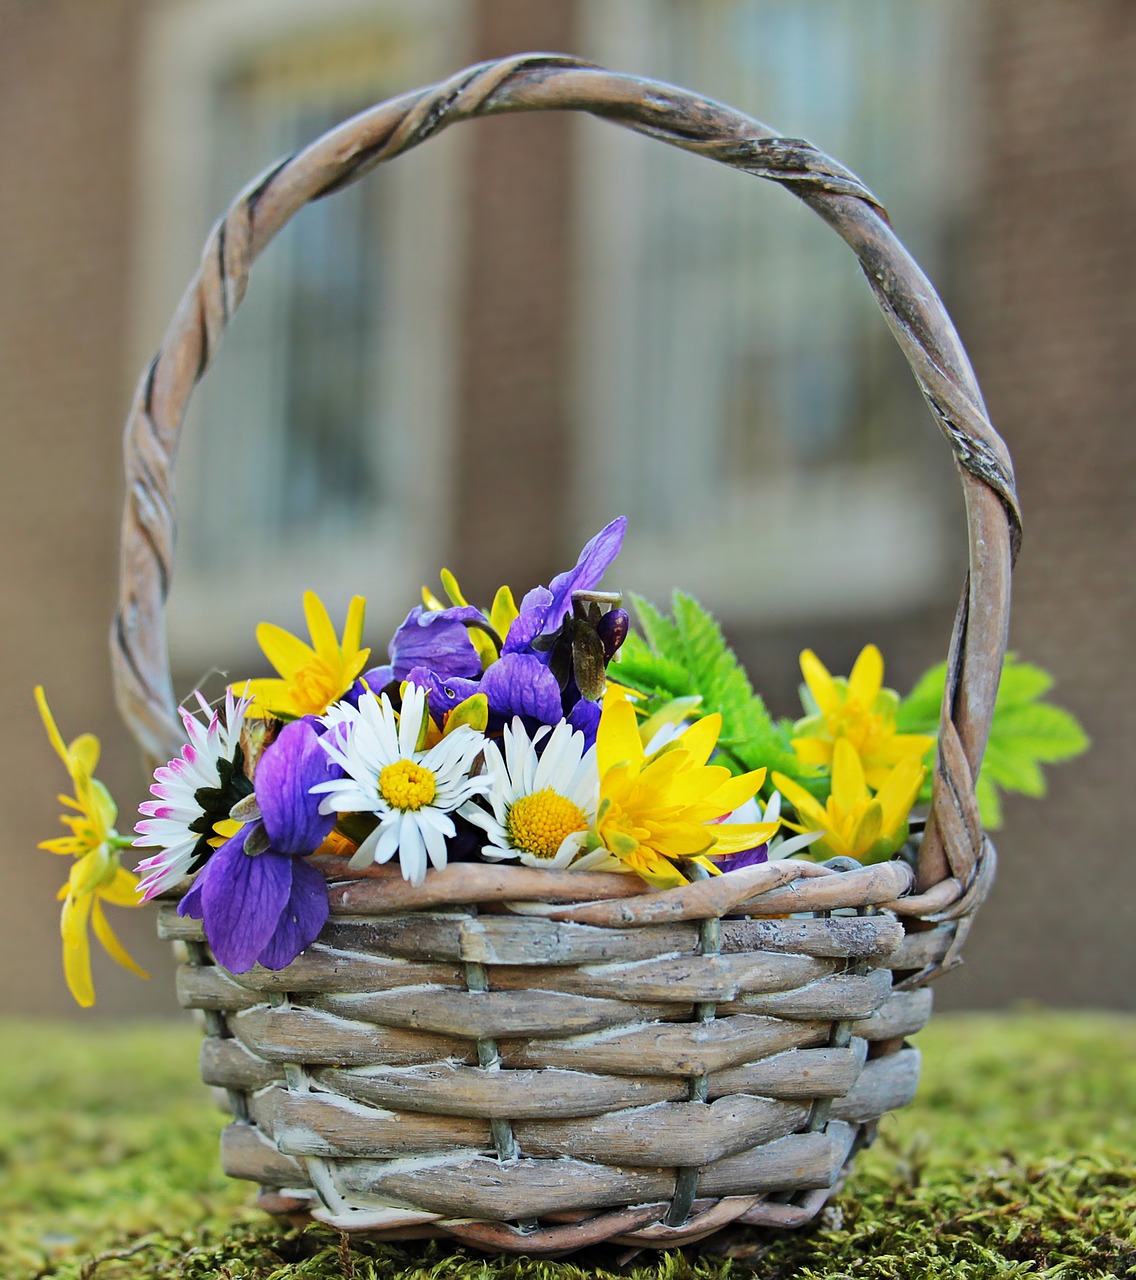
951 878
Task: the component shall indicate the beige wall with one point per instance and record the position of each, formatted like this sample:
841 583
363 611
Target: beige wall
1048 307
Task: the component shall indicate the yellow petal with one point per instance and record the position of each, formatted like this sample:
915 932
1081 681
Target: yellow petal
122 890
84 752
737 837
812 750
53 734
867 829
737 791
807 807
451 588
286 652
474 711
821 684
324 639
353 627
899 793
72 846
701 738
268 695
867 678
77 949
680 839
848 785
617 738
111 944
431 602
504 612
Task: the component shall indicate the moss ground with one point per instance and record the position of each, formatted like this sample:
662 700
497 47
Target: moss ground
1017 1159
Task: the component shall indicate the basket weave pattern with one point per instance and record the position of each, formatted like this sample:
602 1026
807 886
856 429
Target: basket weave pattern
605 1063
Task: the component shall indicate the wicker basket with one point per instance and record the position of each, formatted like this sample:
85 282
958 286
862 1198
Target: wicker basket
609 1063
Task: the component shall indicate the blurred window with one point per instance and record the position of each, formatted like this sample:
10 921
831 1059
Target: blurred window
316 448
745 396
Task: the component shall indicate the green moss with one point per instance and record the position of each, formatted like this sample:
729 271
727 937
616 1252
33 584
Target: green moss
1016 1160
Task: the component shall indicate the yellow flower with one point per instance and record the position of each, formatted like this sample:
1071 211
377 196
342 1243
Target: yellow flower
858 710
314 676
96 876
856 823
656 808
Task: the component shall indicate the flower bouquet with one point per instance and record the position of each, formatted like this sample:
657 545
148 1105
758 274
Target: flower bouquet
544 932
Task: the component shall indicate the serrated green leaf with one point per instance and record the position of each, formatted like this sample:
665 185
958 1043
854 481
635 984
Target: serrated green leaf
1022 682
919 711
989 802
1050 734
688 655
1013 770
660 633
1025 733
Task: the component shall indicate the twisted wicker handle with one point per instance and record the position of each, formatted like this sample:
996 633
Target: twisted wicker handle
951 876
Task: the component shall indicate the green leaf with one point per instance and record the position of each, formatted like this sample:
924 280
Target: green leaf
687 655
1025 733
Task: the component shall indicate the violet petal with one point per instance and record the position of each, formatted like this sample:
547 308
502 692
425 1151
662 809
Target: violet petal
435 639
519 684
242 899
746 858
284 777
589 569
442 695
585 716
304 915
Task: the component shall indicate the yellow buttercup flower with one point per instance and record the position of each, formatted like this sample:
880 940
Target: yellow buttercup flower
314 676
96 876
859 711
662 807
855 823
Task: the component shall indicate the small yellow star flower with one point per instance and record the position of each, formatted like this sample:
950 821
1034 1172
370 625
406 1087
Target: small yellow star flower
858 710
856 823
96 876
664 806
314 676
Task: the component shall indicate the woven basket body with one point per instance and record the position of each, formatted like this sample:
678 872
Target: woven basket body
540 1061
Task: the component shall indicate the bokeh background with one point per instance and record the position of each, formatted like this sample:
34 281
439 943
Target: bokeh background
481 354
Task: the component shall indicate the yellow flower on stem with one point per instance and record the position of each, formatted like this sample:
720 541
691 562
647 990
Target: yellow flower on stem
855 823
96 876
858 710
313 676
657 809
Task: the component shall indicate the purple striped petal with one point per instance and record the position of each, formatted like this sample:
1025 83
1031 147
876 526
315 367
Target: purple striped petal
284 778
303 917
437 639
519 684
589 570
241 901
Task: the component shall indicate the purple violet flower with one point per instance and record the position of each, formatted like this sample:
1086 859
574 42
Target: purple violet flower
259 900
544 608
746 858
519 684
437 639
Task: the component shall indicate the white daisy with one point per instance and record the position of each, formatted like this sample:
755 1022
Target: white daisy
542 805
412 792
194 792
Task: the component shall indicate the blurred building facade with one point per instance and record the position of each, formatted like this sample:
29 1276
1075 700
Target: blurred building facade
482 353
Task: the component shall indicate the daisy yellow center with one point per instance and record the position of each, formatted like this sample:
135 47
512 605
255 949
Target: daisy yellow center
538 823
406 785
